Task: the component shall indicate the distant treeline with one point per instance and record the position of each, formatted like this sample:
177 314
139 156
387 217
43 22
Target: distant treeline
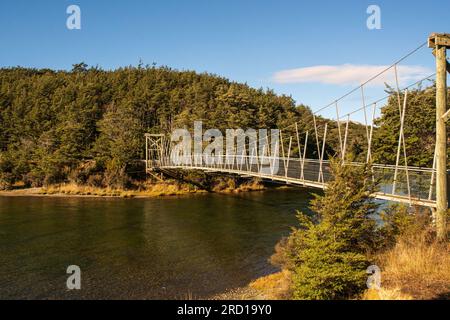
87 125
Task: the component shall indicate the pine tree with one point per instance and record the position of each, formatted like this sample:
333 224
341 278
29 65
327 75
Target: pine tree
419 128
327 253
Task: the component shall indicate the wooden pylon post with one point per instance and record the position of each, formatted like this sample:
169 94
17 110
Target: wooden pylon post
154 151
440 43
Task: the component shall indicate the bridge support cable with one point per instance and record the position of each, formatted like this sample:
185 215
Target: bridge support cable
323 152
258 158
235 159
364 106
168 148
301 154
402 144
318 146
248 162
344 148
339 128
401 135
369 152
282 152
266 152
255 154
430 192
299 148
369 148
262 159
242 159
288 158
302 175
146 154
272 169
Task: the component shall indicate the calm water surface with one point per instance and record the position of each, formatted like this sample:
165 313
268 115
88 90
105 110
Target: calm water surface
165 248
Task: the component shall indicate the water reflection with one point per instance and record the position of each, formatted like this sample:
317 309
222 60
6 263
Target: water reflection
141 248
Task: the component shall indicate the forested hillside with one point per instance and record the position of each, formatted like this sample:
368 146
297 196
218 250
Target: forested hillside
90 123
87 125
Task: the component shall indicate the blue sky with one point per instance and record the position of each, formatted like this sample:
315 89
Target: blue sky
247 40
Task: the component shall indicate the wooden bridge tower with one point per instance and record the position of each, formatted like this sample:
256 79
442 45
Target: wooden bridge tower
154 150
440 43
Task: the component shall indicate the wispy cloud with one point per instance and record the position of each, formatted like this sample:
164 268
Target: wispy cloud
350 74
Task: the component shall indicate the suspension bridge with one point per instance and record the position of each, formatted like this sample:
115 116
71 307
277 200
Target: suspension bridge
286 161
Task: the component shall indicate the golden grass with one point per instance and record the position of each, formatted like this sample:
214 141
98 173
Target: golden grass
153 190
253 185
275 286
229 185
385 294
420 268
244 293
141 189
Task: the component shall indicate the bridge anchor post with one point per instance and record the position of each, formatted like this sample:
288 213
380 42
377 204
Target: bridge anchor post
154 151
440 43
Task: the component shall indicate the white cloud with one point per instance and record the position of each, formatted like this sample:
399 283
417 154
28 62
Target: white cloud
350 74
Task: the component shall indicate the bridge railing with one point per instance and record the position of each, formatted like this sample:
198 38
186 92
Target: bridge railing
413 183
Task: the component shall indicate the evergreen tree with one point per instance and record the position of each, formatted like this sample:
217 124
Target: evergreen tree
327 253
53 123
419 128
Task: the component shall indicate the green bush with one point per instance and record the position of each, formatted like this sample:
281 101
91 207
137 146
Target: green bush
115 175
325 265
401 221
6 181
327 254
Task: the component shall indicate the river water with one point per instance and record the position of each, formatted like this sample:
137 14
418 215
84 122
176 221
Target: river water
161 248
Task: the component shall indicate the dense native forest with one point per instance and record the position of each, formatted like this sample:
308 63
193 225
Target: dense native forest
87 125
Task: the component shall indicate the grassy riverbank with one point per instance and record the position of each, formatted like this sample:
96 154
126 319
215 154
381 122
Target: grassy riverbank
417 267
145 189
326 257
409 271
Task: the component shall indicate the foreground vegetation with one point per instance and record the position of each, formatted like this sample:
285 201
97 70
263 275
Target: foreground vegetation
327 256
416 266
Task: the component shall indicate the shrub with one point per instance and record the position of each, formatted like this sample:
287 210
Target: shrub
7 178
95 180
400 221
418 266
115 176
415 263
6 181
83 173
327 254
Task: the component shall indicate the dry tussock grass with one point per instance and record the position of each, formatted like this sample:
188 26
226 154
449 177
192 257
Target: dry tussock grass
148 189
276 286
420 268
153 190
385 294
229 185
